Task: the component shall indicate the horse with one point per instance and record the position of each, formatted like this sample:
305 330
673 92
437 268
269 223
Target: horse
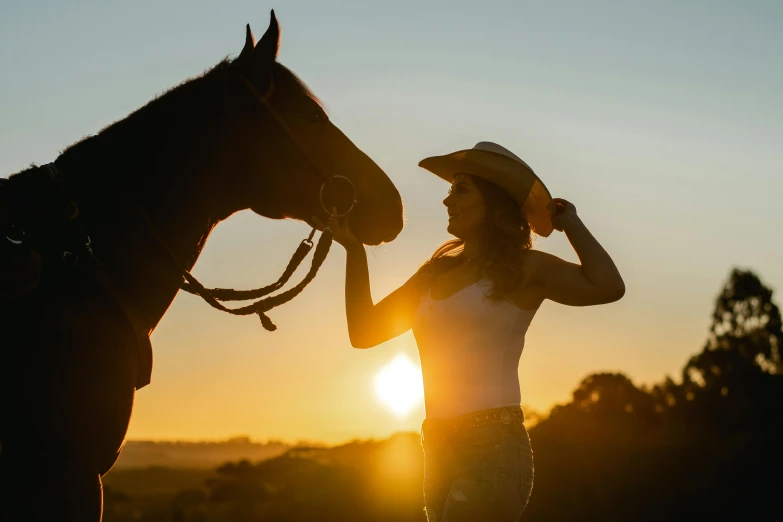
105 226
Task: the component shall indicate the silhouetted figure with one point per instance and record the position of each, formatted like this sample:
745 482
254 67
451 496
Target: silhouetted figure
88 242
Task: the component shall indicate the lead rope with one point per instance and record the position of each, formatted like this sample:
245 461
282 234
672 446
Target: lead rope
230 294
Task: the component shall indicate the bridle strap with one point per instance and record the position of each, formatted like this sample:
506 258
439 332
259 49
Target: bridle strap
264 100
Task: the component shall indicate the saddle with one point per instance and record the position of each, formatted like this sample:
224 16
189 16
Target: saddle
20 264
42 242
38 222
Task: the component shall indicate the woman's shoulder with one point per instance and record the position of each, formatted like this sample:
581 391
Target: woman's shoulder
532 259
421 281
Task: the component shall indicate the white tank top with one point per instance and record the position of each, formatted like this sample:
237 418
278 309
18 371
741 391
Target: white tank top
469 347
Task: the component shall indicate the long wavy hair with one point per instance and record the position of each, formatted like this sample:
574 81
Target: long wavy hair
505 235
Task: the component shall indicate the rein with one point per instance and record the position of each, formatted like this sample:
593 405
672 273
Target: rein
213 296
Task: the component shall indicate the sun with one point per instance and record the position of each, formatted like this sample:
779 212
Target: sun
399 386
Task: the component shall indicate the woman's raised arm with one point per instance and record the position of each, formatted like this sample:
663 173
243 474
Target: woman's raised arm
595 281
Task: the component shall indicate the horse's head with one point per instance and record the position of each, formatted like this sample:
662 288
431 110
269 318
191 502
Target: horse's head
287 146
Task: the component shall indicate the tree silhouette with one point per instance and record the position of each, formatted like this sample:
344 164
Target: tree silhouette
733 376
746 322
612 394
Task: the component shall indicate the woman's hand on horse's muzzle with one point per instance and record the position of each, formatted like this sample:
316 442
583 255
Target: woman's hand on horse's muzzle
341 230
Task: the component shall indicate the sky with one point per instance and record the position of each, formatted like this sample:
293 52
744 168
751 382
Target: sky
661 121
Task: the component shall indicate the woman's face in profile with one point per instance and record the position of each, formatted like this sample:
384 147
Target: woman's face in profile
466 208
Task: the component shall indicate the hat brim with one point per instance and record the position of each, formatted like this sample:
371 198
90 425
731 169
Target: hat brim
515 177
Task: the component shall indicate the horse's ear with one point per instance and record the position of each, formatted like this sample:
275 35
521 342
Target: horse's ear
267 47
250 43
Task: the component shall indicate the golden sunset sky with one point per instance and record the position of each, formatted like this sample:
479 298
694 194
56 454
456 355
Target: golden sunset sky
661 121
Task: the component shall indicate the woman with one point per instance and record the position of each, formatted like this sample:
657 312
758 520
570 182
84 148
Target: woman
469 307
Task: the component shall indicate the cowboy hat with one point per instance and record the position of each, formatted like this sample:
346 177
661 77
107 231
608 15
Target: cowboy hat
505 169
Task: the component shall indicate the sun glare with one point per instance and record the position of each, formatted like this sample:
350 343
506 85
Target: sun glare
399 387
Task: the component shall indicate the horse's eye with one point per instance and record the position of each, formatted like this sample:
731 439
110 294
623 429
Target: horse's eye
317 117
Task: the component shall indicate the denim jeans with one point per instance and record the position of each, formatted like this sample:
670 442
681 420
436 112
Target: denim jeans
477 474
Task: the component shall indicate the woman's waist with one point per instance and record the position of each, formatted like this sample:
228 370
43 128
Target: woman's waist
501 415
472 367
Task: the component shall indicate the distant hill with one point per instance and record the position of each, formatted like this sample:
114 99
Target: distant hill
367 480
195 455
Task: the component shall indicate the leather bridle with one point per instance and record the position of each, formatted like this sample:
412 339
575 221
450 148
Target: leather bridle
263 99
213 296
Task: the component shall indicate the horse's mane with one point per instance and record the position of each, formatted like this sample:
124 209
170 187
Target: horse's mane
178 100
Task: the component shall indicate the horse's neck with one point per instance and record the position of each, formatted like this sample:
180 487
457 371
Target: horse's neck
164 181
148 260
